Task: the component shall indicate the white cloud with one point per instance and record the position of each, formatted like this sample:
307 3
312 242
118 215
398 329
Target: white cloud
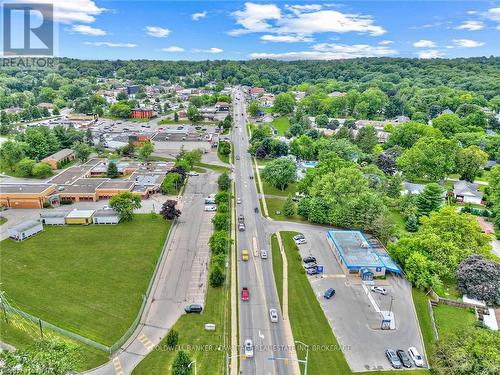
429 54
210 50
498 27
157 32
87 30
172 49
471 25
110 44
285 38
329 51
472 12
385 42
493 14
301 20
422 43
66 11
467 43
198 16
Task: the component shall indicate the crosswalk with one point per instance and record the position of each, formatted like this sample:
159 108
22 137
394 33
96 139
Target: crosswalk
118 366
146 341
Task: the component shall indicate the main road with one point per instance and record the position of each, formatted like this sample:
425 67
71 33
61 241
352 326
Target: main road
256 274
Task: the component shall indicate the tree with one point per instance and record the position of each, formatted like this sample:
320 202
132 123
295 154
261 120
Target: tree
172 338
479 278
448 124
219 242
366 139
407 134
284 103
470 162
146 150
11 152
386 162
280 173
181 364
432 158
321 121
176 117
224 182
43 357
254 108
289 208
192 157
222 197
25 167
168 210
431 199
221 221
122 95
172 183
217 277
125 203
120 109
193 113
42 170
112 171
89 137
82 151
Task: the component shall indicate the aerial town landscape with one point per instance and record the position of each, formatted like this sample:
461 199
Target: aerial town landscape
173 200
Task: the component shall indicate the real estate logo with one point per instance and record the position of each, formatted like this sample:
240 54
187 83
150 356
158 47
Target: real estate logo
28 35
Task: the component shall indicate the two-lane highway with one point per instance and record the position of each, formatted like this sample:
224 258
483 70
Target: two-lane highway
256 274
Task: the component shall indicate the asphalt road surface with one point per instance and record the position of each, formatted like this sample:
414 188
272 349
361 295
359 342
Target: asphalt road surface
256 274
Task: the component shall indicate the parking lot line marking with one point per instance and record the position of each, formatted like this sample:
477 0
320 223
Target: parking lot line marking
372 301
118 366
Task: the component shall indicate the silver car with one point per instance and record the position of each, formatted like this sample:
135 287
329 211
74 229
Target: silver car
263 254
248 348
273 315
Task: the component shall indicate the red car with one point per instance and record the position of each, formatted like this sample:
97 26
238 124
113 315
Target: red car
245 295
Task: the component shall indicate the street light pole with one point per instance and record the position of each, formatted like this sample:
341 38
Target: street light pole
189 366
306 362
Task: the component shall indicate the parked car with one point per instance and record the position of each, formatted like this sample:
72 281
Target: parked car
263 254
193 309
309 259
193 173
329 293
301 241
310 265
312 271
248 348
245 295
379 289
298 237
403 357
393 358
416 357
273 315
210 208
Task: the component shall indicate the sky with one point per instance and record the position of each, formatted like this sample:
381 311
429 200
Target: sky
285 30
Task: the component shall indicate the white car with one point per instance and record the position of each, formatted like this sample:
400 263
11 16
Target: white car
238 200
248 348
416 357
300 241
263 254
193 173
210 208
298 237
273 315
378 289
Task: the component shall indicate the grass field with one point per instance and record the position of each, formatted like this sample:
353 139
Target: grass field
276 204
451 319
20 333
277 267
281 124
424 320
86 279
215 168
271 190
308 321
2 220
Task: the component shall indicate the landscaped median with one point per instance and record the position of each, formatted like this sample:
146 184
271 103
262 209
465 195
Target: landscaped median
88 280
309 324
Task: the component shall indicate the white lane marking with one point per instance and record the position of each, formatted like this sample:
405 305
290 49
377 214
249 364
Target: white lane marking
375 306
261 335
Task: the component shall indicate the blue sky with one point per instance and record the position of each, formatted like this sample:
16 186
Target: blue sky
174 30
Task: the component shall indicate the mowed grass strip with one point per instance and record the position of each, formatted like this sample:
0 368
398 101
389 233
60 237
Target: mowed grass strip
202 346
309 323
281 124
277 267
86 279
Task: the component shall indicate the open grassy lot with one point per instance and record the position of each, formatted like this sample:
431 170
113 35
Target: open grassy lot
271 190
281 124
424 320
276 204
215 168
86 279
20 333
308 321
451 319
277 267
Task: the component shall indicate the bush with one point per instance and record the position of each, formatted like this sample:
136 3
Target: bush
172 338
221 221
217 277
222 197
224 182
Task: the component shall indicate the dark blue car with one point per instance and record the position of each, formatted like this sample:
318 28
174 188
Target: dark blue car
329 293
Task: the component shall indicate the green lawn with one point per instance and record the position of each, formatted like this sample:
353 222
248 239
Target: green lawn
308 321
21 332
398 219
86 279
424 320
281 124
2 220
276 204
215 168
451 319
277 267
271 190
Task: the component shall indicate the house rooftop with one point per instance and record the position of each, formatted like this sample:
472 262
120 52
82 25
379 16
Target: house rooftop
60 155
467 188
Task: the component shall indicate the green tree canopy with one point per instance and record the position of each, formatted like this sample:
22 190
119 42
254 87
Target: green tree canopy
280 173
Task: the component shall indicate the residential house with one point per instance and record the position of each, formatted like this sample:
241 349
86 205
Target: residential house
410 188
256 92
467 192
60 158
25 230
267 100
337 94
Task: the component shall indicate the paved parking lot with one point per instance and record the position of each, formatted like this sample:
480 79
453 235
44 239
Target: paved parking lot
354 311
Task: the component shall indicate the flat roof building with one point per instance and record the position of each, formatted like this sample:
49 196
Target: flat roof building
25 195
357 253
25 230
106 216
81 217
